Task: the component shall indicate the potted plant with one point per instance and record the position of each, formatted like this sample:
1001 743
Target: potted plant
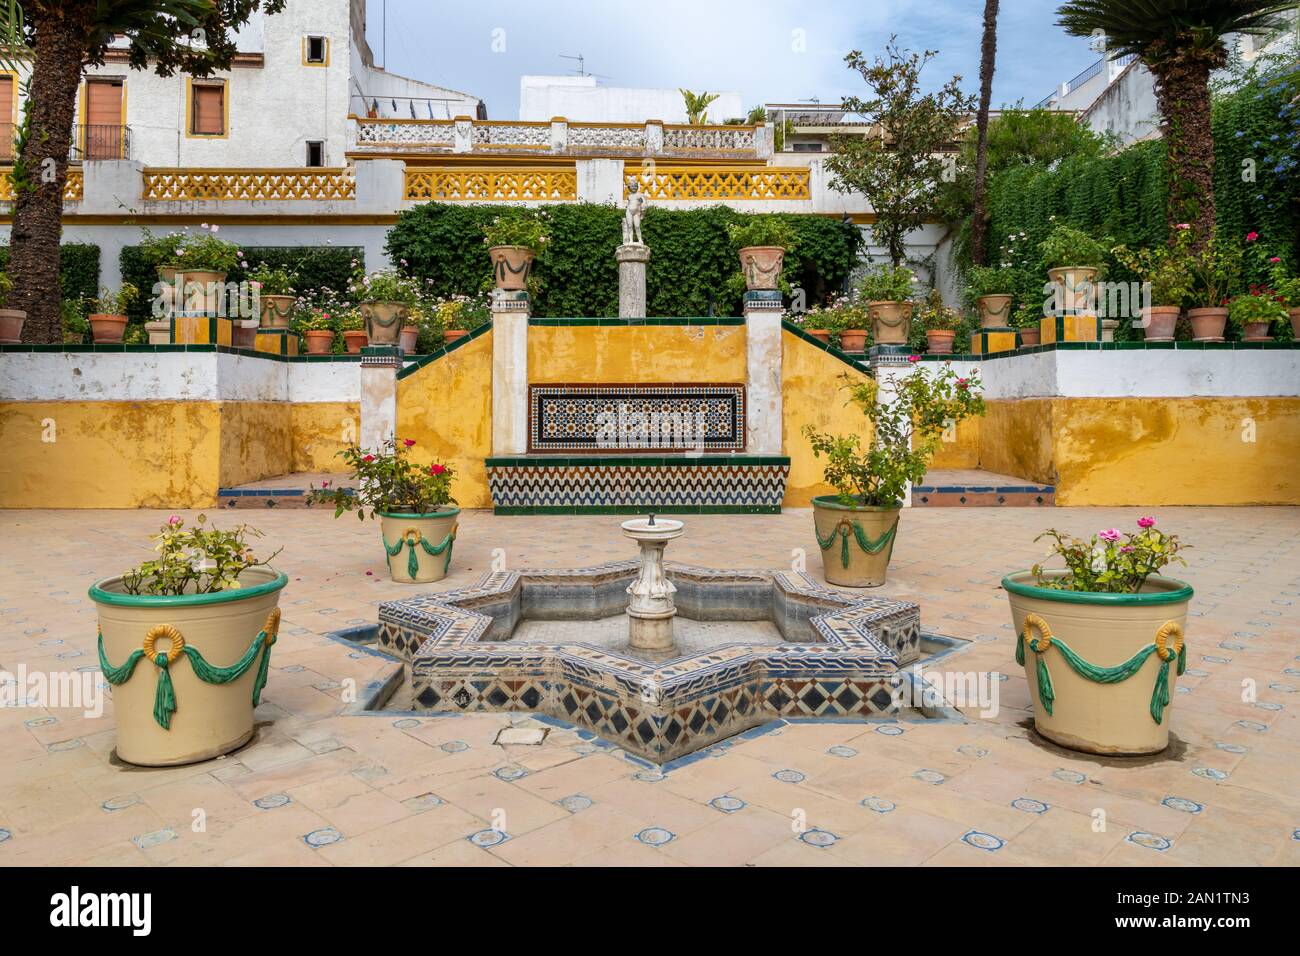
73 322
11 320
1074 261
414 504
991 290
762 242
161 253
459 315
185 639
275 295
514 239
939 322
856 527
317 328
1216 272
1166 273
385 298
1288 292
1253 313
108 312
887 290
1102 640
354 332
814 322
1027 320
202 263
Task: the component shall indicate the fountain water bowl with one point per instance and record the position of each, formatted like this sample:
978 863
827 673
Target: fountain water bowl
651 610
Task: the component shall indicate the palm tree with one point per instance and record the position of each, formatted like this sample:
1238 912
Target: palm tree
1180 42
696 104
988 57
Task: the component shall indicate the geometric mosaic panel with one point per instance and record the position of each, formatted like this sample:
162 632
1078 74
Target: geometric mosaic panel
612 419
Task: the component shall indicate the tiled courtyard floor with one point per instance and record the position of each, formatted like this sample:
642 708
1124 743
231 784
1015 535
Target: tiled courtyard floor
437 790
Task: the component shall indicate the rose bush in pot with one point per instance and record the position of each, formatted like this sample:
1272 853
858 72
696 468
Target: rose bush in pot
1216 275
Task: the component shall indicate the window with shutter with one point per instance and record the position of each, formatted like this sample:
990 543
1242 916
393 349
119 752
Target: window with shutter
208 110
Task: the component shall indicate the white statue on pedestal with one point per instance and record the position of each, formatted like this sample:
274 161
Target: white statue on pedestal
632 215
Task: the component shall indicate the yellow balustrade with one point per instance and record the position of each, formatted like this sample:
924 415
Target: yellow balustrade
719 182
497 185
248 184
73 189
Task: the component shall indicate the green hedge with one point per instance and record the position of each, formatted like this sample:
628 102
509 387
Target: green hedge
693 266
318 267
78 268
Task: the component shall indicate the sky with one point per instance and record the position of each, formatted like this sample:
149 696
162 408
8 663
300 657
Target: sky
766 50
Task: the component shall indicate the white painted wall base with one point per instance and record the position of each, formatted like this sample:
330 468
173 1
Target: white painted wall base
763 403
509 383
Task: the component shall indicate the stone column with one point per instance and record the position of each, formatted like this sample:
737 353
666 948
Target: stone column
509 373
632 259
889 363
763 406
379 367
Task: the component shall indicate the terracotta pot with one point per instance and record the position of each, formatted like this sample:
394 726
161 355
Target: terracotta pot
451 335
410 335
209 719
1208 324
762 266
853 340
856 541
821 335
319 341
354 341
244 336
1104 630
1256 332
11 326
383 321
1295 323
107 328
890 322
1078 288
994 310
410 535
939 342
510 267
277 311
1031 336
1159 322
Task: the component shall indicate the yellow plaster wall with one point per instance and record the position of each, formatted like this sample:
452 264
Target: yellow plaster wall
319 431
1015 438
110 454
256 441
814 392
637 354
963 451
446 406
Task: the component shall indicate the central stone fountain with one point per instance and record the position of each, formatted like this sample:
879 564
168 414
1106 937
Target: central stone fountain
651 611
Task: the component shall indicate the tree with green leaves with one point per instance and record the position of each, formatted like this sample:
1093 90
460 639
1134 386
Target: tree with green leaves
900 165
696 105
60 37
1181 42
988 58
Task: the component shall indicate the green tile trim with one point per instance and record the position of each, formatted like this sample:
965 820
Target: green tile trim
436 354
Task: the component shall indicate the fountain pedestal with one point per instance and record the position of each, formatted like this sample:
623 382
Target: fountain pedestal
651 610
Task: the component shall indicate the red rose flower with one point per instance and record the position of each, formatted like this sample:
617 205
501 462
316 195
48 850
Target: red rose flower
408 442
1252 236
368 458
436 469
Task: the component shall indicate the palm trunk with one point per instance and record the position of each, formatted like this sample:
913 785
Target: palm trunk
1183 94
988 57
38 210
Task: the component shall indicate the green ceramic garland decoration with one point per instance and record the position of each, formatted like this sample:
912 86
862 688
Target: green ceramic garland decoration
410 539
863 539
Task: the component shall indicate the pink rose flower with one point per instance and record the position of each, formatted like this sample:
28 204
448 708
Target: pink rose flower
174 520
408 442
914 358
1275 259
1252 236
1146 522
1109 534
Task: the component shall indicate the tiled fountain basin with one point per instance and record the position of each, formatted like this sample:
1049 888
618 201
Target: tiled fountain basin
765 645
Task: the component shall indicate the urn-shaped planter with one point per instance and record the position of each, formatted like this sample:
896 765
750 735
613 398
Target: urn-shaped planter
384 321
994 311
418 547
890 322
11 326
856 541
277 311
186 671
1101 668
201 290
106 328
1208 324
510 267
1076 288
319 341
939 342
1159 322
761 266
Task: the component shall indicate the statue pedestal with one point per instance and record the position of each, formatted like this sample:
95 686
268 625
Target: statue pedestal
632 259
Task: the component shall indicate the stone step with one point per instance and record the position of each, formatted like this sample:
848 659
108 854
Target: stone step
972 488
282 491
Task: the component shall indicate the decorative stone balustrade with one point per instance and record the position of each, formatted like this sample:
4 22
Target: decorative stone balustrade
505 184
719 182
73 189
248 184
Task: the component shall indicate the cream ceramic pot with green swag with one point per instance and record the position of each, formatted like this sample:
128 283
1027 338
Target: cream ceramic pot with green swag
418 547
856 541
1102 668
186 671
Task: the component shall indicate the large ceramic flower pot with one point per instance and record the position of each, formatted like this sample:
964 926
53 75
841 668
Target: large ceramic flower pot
383 321
1101 667
186 671
856 541
107 329
277 311
1159 322
11 326
418 547
1077 288
510 267
853 340
994 310
761 266
1208 324
319 341
939 343
890 322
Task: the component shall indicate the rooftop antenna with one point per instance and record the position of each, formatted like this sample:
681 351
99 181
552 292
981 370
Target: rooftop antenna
582 66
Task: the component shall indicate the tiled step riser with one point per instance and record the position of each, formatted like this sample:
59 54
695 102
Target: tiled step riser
922 498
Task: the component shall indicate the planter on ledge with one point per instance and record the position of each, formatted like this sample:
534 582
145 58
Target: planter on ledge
890 322
244 334
277 310
510 267
1078 285
1030 337
856 541
761 266
11 326
408 338
107 329
354 341
418 547
383 321
1294 315
1101 667
853 340
994 311
939 343
187 671
1208 324
1161 320
319 341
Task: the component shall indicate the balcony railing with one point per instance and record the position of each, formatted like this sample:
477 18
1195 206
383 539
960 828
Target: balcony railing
491 185
89 142
73 189
719 182
248 184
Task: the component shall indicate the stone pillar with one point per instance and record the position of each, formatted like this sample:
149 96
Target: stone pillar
463 141
889 363
381 186
632 259
763 406
509 373
559 134
600 181
654 137
379 367
112 186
